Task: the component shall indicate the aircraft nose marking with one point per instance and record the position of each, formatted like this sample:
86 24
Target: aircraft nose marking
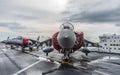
66 37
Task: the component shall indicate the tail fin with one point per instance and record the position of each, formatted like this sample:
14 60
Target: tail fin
8 38
38 38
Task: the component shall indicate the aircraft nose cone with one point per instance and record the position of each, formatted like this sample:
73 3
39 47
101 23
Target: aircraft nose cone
66 38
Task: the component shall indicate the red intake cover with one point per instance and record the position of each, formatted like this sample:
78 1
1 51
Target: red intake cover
55 41
25 41
79 41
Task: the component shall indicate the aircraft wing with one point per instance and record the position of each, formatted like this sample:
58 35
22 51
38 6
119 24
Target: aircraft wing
90 44
47 41
34 41
5 42
87 43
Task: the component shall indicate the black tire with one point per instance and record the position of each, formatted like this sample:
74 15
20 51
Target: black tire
31 49
86 54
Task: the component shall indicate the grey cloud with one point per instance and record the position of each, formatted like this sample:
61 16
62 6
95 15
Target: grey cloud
15 11
26 17
117 25
34 14
17 27
103 16
12 26
95 12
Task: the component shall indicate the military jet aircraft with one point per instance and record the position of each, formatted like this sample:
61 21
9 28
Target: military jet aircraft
67 41
25 42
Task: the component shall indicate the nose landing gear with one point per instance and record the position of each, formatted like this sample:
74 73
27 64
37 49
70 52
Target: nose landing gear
66 58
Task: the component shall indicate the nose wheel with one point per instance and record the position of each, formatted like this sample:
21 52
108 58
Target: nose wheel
66 58
66 61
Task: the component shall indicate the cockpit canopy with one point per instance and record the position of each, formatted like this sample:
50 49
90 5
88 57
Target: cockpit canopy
67 25
19 37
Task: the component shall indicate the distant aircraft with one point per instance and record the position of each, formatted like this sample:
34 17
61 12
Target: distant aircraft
24 42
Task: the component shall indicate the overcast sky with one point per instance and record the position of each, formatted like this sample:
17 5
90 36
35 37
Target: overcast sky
43 17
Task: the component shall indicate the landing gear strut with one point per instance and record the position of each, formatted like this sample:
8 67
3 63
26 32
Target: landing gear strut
86 54
23 49
12 47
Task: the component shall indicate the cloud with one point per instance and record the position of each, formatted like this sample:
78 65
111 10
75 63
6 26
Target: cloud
32 10
30 14
95 11
12 26
111 16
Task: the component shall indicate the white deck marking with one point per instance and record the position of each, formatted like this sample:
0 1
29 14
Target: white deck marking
100 72
24 69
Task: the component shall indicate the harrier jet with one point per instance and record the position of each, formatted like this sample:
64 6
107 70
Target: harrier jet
25 42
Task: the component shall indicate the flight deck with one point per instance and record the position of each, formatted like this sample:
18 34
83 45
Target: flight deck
14 61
